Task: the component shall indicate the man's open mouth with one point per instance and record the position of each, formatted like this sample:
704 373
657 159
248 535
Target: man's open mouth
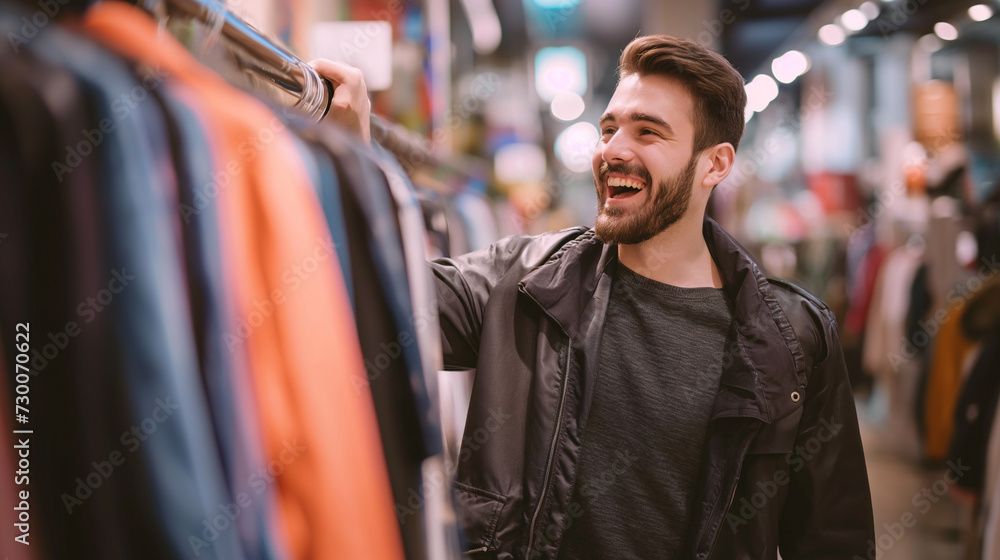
619 187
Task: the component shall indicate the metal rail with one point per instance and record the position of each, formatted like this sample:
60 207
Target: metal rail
297 84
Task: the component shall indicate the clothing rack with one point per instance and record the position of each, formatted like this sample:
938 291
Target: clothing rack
300 87
412 149
298 84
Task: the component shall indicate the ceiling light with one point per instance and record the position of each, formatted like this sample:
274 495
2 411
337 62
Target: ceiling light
484 23
980 12
832 34
930 43
557 4
789 66
567 106
559 69
996 107
575 146
854 20
945 31
761 91
870 9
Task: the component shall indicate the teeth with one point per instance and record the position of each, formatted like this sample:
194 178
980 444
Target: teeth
619 182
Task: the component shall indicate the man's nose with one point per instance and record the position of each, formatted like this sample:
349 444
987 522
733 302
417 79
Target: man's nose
618 148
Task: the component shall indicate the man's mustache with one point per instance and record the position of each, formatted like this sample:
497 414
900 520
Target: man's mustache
624 169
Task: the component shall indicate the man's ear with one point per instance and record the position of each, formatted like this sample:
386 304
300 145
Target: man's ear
720 159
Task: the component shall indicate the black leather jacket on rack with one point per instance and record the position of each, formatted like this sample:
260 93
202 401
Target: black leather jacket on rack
783 464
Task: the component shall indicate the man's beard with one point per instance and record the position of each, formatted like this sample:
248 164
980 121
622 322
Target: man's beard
666 204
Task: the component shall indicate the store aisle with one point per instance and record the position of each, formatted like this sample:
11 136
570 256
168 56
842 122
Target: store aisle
916 517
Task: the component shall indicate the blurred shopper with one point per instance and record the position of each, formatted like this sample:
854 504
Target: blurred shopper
642 390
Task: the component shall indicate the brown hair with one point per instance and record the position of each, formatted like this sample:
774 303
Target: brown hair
716 87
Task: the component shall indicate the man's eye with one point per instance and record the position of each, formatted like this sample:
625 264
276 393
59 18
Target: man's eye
607 131
648 131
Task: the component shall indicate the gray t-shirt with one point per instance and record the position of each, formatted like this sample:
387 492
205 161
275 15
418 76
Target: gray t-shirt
661 359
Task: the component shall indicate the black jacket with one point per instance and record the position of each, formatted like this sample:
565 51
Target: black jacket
782 462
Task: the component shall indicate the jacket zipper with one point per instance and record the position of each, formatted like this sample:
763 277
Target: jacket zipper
555 434
732 495
552 452
729 504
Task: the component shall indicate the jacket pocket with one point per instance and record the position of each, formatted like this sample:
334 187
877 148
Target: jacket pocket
778 437
479 513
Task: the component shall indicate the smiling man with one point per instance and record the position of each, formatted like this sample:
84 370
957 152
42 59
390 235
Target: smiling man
661 397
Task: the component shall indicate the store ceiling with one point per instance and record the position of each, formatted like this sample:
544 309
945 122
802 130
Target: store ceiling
920 21
761 27
752 31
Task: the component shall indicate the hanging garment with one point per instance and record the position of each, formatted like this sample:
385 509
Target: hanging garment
983 313
944 381
943 268
974 412
422 293
990 508
235 418
458 235
366 189
113 375
977 402
440 520
858 245
158 351
920 305
387 331
886 344
891 358
328 190
858 303
987 228
861 295
436 222
294 319
477 219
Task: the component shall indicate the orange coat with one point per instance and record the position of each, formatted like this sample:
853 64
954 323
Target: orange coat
944 383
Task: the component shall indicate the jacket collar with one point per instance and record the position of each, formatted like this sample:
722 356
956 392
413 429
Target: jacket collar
567 282
757 381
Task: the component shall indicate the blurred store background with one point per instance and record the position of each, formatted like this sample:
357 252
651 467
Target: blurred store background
868 174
